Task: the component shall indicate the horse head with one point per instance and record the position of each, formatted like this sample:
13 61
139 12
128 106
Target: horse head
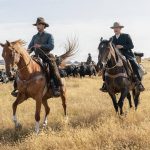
11 54
104 53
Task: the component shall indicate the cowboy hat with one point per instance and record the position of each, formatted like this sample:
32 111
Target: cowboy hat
41 20
117 25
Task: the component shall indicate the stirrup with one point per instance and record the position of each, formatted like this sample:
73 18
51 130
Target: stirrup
14 93
103 88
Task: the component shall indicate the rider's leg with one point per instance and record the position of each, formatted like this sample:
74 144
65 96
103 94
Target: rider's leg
56 82
15 92
138 78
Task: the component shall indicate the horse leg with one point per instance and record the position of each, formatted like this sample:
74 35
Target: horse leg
37 114
136 95
63 97
19 100
121 100
113 97
129 99
47 110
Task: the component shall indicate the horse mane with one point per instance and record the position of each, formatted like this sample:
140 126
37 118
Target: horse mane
21 42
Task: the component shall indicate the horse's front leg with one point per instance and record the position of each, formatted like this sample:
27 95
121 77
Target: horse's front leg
47 110
37 114
19 100
129 99
124 93
113 97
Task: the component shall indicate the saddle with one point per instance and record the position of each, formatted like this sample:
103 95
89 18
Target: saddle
44 66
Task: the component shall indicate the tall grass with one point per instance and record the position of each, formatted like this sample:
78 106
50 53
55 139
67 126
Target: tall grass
92 124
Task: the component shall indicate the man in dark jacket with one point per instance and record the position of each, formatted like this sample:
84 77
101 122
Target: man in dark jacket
41 44
124 43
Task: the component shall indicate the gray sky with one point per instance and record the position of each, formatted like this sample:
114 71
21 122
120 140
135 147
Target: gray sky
88 20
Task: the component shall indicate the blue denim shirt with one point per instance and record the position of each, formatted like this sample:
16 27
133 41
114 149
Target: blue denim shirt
44 39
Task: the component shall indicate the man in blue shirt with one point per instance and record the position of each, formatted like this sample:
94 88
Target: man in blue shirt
41 44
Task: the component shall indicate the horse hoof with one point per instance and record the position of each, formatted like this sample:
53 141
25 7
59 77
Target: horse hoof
66 119
18 127
44 125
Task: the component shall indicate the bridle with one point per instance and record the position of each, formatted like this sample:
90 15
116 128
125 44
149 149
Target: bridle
112 53
15 57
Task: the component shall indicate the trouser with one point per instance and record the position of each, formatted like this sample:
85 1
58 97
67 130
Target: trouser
135 68
54 72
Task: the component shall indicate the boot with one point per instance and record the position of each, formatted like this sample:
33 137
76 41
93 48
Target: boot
15 91
103 88
141 87
138 84
55 89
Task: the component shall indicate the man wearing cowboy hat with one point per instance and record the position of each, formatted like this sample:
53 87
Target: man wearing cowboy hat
42 43
124 43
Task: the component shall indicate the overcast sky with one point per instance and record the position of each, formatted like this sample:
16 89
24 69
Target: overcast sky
88 20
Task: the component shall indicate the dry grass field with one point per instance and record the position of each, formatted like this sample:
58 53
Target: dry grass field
92 123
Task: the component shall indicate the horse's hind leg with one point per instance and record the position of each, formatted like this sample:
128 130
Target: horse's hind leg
129 99
19 100
63 97
113 97
136 95
47 110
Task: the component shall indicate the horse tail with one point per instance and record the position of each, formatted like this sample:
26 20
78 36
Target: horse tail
71 49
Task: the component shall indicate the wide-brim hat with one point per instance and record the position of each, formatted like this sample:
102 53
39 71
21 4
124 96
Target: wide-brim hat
117 25
41 20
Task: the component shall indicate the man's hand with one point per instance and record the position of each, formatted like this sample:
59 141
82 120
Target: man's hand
37 45
119 46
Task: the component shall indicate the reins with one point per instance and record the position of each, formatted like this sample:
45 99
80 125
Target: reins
25 66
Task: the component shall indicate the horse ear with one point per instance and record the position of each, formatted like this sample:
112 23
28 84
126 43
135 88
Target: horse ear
8 43
2 45
101 39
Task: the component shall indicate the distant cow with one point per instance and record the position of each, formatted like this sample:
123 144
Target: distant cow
72 70
87 70
3 77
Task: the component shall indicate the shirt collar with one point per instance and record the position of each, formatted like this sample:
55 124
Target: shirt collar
41 33
117 36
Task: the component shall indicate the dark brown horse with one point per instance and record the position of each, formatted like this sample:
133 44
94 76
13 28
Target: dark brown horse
31 79
116 76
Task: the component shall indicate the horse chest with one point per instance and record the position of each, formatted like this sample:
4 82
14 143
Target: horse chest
32 85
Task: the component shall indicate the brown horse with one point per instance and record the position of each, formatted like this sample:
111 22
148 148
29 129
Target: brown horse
31 79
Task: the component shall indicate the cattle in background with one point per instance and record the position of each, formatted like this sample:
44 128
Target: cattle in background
72 70
87 70
3 77
139 60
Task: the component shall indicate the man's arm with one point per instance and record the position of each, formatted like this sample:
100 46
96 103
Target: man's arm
129 43
30 49
50 44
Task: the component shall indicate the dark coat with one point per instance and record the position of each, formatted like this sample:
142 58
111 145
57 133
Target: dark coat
126 41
